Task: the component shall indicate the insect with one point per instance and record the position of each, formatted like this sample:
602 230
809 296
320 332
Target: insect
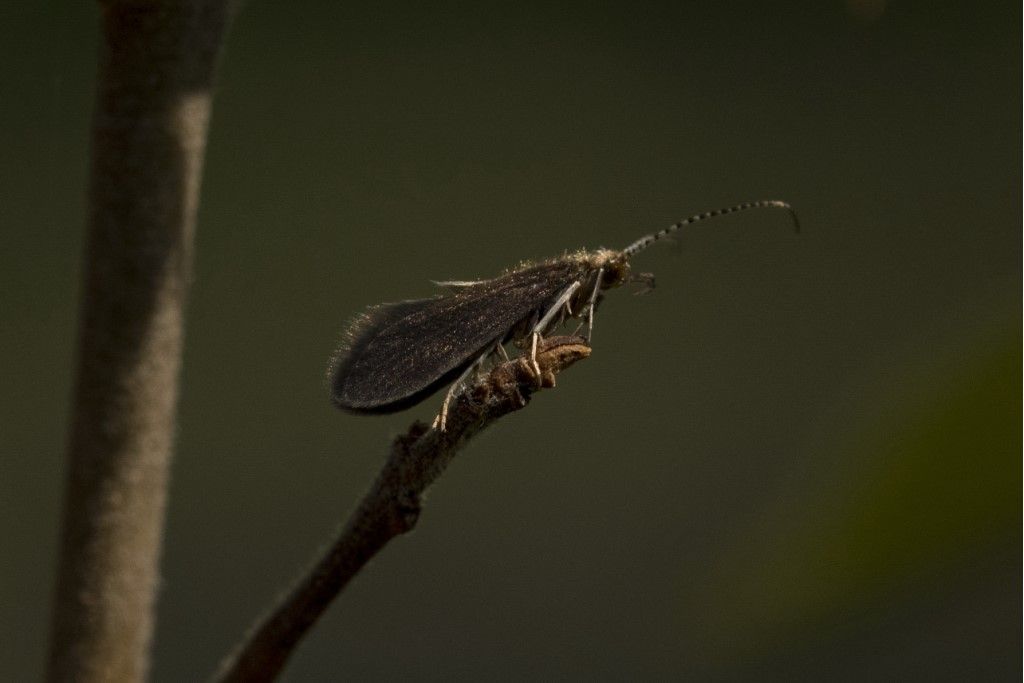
396 355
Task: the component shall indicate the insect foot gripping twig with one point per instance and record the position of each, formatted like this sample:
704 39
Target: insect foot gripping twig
510 385
393 504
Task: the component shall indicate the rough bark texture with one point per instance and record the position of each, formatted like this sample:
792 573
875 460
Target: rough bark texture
156 65
392 506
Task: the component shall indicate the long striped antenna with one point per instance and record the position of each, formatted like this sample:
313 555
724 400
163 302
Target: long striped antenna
647 241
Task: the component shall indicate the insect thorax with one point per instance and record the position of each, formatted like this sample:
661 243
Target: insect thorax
614 266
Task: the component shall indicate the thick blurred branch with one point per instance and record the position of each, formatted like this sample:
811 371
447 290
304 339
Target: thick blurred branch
392 506
156 64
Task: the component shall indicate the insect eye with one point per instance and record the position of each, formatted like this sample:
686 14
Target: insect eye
616 272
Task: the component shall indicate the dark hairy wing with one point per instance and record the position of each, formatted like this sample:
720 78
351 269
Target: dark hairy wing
398 354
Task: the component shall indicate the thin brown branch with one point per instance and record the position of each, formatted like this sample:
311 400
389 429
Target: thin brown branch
156 65
392 506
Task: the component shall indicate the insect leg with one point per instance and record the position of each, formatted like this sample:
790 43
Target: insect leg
561 301
561 317
593 302
534 365
442 418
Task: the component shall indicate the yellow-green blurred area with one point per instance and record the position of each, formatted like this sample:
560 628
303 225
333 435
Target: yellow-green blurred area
799 458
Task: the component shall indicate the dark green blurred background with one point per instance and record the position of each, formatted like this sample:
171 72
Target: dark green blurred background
798 458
